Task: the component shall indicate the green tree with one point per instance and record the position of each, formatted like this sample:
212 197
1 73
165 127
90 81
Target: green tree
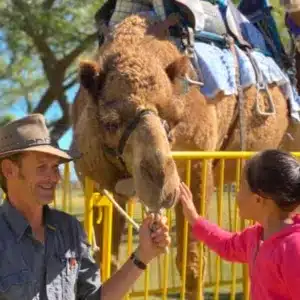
40 41
278 14
5 119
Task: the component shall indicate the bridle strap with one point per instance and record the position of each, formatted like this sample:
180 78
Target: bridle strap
129 129
127 132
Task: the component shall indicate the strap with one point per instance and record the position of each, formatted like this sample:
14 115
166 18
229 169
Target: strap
233 13
240 96
138 262
170 7
105 12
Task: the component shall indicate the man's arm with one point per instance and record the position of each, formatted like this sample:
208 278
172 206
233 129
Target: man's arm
89 282
119 284
151 245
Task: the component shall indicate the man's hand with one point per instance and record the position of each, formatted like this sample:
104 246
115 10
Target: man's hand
154 243
151 245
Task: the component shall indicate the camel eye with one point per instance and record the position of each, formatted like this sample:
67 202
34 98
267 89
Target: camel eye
112 127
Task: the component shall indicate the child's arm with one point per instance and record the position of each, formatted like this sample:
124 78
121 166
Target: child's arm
290 266
230 246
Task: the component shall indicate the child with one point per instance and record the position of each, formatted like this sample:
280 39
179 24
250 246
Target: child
269 194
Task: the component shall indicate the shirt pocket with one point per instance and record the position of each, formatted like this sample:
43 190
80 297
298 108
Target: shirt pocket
69 273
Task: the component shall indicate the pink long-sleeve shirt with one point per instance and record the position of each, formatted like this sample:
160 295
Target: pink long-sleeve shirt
274 264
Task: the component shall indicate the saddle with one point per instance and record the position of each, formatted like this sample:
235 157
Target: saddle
259 13
213 20
251 25
204 17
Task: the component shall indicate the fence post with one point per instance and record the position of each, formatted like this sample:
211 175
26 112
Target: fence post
66 181
88 209
103 203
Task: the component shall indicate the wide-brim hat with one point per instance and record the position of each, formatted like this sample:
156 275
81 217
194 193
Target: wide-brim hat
30 134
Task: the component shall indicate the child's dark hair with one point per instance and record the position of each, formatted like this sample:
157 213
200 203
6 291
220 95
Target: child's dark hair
275 174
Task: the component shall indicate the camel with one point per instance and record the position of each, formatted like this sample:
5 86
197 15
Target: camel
133 83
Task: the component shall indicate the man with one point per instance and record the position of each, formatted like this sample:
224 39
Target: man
44 253
113 12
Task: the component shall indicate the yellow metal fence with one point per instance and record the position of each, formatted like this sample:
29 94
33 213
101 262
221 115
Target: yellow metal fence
162 278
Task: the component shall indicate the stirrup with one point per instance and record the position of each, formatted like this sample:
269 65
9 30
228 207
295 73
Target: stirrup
263 87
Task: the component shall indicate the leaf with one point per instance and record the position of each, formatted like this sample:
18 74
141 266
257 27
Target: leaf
36 38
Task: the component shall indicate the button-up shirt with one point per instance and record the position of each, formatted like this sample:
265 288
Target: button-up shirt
62 268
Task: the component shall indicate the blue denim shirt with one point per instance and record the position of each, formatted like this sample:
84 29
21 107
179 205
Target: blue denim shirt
60 269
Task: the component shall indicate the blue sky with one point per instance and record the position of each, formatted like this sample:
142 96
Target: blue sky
54 112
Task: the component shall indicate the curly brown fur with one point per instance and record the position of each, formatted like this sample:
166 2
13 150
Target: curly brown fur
141 71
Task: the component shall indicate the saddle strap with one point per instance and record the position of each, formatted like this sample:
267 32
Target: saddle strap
233 22
238 114
240 96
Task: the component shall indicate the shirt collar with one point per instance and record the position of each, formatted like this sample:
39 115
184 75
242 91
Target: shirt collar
19 224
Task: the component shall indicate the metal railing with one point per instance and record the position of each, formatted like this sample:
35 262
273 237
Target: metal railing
215 280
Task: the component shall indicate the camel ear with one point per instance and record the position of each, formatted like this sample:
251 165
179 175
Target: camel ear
91 77
178 68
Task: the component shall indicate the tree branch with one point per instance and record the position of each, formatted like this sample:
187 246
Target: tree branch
48 4
59 127
65 106
70 77
46 55
45 101
68 59
28 104
70 84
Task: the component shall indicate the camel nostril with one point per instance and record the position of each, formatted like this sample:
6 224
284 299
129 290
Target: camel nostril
170 200
169 197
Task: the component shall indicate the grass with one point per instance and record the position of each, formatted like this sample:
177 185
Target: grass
155 275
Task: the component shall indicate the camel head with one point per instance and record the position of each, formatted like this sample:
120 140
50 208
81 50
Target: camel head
132 94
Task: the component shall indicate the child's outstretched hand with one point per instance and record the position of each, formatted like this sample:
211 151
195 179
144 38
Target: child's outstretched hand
186 199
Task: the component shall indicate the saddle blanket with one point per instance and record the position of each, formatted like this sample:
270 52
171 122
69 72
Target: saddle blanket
218 73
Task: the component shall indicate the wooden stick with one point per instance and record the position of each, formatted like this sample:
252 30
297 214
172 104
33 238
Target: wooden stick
126 216
121 210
